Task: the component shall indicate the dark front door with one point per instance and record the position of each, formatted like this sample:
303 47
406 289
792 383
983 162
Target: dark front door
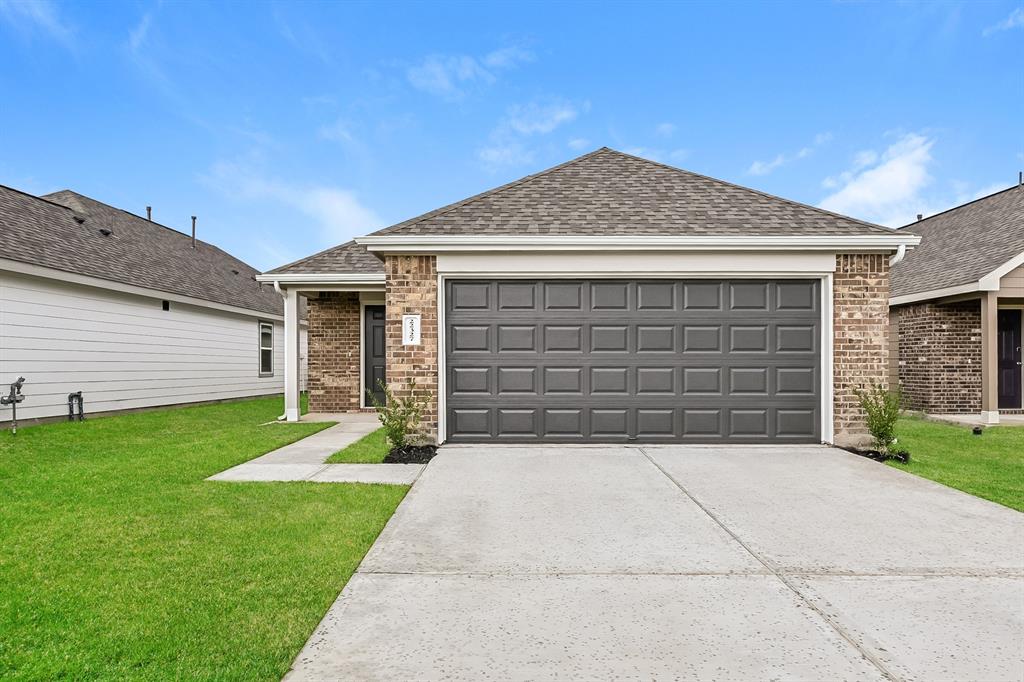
373 353
1009 359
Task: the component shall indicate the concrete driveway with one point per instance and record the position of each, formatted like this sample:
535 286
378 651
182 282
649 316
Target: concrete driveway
671 562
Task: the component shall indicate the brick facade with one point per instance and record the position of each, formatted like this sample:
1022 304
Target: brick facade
940 356
860 311
334 352
411 289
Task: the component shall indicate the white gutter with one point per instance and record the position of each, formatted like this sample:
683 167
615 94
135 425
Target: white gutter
323 278
410 244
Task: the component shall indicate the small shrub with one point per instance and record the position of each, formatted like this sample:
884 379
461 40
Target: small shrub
882 408
400 417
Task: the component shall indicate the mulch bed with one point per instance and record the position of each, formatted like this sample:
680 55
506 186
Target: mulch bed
901 456
411 454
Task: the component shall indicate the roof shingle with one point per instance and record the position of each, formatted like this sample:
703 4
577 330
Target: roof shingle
963 244
62 231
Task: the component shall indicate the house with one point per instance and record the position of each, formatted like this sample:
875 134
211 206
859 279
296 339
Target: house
956 309
607 299
131 313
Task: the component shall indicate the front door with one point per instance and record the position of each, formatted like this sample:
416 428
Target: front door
373 354
1009 359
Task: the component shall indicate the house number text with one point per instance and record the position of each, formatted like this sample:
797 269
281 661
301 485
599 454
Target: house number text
410 330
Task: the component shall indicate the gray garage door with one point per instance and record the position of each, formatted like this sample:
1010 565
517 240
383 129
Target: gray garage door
633 361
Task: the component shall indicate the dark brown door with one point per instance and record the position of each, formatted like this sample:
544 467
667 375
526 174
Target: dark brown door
373 352
1009 359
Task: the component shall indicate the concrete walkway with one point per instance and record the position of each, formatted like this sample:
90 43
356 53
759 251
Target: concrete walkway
305 460
691 563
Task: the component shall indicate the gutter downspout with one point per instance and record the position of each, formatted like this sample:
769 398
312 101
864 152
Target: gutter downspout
901 253
277 288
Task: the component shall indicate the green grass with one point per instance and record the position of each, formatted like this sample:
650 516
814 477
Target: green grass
370 449
990 465
118 561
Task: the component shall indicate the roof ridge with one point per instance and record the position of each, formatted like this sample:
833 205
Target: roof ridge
750 189
494 190
959 206
39 197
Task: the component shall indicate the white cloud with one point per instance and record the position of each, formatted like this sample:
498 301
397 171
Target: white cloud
339 131
766 167
505 154
665 129
506 145
448 76
540 117
1015 20
137 36
30 16
885 189
507 58
578 143
336 211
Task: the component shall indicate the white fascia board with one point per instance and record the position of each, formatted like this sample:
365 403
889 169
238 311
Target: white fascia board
968 288
111 285
368 278
990 282
409 244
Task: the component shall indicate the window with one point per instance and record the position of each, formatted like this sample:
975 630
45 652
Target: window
266 349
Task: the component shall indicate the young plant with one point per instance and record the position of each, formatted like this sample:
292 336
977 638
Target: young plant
882 408
400 417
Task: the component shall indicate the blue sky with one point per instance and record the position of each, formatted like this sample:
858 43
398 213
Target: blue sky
291 127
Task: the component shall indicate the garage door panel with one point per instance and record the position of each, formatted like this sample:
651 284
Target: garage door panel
647 360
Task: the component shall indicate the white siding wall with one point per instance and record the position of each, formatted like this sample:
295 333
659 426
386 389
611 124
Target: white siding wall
123 351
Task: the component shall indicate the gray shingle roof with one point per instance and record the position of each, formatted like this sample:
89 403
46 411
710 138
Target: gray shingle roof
348 257
44 231
610 193
963 244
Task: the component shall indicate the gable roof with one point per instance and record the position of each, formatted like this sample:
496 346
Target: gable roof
607 192
602 194
347 257
62 231
963 244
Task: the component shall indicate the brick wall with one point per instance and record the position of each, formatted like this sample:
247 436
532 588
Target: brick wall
860 310
333 355
940 356
411 289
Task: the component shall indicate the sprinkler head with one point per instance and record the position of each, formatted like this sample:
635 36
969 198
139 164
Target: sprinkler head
977 430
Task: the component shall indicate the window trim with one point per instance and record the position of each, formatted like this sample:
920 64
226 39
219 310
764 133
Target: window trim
259 348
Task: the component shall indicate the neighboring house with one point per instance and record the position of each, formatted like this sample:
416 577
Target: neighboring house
131 313
956 309
608 299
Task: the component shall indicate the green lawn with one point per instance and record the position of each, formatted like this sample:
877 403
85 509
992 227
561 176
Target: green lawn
370 449
118 561
990 465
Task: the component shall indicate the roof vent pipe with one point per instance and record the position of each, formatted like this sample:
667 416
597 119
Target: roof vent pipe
920 216
149 213
193 232
1020 178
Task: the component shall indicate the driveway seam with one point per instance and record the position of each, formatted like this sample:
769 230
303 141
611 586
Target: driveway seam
839 629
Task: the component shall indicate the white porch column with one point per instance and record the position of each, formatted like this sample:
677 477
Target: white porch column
989 355
291 355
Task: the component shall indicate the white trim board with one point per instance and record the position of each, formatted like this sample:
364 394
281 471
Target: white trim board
634 264
429 244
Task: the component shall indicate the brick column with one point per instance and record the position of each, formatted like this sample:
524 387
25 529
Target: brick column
860 353
411 289
334 352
